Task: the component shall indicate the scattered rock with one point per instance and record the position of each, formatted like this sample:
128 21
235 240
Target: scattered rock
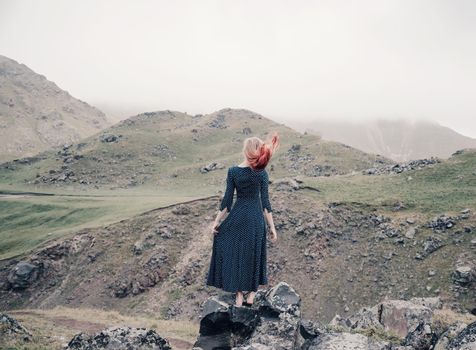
441 223
402 167
218 122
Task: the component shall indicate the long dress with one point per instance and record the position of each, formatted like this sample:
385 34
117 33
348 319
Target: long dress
238 261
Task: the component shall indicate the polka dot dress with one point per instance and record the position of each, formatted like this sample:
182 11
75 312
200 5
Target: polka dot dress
238 261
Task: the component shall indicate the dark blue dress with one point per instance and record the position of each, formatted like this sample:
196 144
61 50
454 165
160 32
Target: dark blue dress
238 261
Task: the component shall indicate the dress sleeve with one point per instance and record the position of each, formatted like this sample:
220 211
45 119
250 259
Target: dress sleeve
227 200
264 192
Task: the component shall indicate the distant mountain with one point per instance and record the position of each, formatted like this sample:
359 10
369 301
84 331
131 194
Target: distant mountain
399 140
167 147
35 114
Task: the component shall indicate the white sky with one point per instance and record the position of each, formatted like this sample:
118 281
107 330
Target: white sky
303 59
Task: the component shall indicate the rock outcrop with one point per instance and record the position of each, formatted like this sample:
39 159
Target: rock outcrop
274 322
11 329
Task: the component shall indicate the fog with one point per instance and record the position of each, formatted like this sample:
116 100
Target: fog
300 60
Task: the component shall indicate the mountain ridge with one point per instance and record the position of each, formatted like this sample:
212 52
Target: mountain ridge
35 114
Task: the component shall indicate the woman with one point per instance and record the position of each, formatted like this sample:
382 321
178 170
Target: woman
238 261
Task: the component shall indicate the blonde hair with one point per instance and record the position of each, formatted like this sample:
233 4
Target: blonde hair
258 152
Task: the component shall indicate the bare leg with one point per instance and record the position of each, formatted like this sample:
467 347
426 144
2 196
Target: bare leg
239 298
250 297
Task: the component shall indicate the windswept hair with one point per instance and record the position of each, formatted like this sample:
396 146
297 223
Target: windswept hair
258 152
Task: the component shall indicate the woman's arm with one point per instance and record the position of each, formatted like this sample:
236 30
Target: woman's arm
267 210
227 201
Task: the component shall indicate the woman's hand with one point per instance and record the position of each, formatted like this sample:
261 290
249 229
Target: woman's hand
273 235
214 227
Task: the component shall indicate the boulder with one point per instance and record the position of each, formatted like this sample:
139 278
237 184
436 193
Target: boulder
344 341
465 340
463 275
11 329
398 317
23 275
271 323
122 338
422 338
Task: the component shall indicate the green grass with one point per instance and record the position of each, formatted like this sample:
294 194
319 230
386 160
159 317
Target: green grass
28 221
448 186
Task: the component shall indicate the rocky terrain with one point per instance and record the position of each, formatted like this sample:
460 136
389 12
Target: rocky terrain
339 256
275 322
36 115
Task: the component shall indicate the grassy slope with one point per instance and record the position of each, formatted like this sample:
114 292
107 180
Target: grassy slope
163 178
450 185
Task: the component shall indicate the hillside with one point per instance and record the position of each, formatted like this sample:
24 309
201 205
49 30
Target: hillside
166 148
399 140
345 242
35 114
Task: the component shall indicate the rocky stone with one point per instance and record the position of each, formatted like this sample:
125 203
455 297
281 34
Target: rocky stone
218 122
273 321
399 317
422 338
463 275
181 209
410 234
23 275
11 329
402 167
286 184
210 167
343 341
122 338
109 138
441 223
450 333
466 340
430 245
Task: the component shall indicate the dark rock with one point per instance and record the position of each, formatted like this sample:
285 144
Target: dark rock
123 338
272 321
463 275
441 223
11 329
108 138
247 131
430 245
466 340
23 275
422 338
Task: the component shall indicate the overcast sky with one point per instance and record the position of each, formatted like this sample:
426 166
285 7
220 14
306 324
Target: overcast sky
303 59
